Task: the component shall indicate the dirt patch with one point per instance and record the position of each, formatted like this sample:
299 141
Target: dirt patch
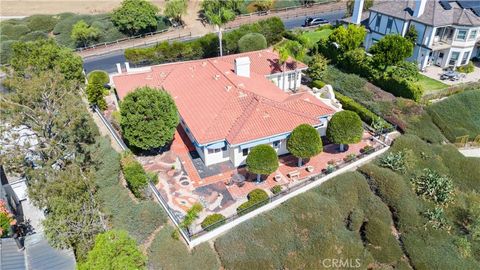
27 8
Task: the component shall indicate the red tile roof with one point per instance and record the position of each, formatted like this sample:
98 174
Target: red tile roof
216 104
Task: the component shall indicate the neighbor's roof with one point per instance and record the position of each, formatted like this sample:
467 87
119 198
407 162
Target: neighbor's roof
216 104
435 14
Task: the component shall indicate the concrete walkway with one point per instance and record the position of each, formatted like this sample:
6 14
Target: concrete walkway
471 152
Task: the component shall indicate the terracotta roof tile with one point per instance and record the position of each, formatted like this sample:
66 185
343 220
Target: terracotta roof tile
216 104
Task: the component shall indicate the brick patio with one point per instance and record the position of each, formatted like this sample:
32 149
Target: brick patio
182 186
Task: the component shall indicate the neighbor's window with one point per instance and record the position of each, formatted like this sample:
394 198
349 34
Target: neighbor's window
473 35
389 25
461 35
245 152
465 58
377 23
454 58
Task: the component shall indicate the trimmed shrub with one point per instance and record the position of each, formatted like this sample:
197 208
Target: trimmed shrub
345 127
134 175
304 142
213 221
262 159
43 23
99 75
468 68
256 198
400 87
276 189
349 104
318 84
252 42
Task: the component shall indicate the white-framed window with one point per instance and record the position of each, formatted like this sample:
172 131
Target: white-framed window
245 152
461 35
465 58
454 58
276 144
213 151
473 35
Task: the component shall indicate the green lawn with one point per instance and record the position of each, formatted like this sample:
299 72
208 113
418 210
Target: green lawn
430 84
315 36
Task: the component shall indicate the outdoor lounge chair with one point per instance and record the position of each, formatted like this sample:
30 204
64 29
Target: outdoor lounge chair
294 174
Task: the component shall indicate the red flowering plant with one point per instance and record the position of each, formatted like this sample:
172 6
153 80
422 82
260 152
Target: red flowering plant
6 219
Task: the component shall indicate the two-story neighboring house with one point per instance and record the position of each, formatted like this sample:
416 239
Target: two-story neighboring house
448 31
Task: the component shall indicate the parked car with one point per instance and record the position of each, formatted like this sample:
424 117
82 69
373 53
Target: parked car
314 21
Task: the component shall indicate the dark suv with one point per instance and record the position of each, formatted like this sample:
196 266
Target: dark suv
314 21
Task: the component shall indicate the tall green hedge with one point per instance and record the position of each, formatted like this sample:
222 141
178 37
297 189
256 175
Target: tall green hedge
134 175
252 42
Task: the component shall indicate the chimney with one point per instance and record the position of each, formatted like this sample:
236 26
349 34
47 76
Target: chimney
357 11
119 68
419 8
242 66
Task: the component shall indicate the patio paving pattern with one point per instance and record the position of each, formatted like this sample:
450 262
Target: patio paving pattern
183 183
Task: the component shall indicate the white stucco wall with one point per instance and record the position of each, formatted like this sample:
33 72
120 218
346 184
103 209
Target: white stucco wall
277 79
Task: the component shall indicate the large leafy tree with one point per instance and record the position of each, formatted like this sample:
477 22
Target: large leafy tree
220 12
148 118
391 50
175 9
73 217
114 250
135 17
304 142
317 65
262 160
30 58
348 38
263 5
345 127
252 42
83 34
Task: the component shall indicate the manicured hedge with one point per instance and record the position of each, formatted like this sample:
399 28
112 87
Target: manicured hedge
212 219
134 175
400 87
256 198
252 42
206 46
99 75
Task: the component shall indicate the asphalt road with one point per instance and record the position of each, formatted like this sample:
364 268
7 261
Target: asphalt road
107 62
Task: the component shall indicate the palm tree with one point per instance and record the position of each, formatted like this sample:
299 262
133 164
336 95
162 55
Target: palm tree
218 13
283 55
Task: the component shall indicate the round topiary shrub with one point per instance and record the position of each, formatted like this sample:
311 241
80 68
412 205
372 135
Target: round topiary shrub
213 221
304 142
345 127
252 42
257 195
100 75
256 198
262 159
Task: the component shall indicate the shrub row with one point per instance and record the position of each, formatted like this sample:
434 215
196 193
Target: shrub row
122 212
206 46
213 221
134 175
349 104
256 198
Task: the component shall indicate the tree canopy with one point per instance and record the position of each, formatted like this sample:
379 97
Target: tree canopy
114 249
391 50
252 42
262 159
175 9
219 12
304 142
95 92
135 17
30 58
345 127
148 118
348 38
263 5
83 34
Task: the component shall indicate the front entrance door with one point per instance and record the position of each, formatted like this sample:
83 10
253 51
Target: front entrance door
439 58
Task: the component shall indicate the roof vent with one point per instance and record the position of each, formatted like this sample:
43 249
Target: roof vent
204 64
241 85
241 94
228 88
216 77
242 66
